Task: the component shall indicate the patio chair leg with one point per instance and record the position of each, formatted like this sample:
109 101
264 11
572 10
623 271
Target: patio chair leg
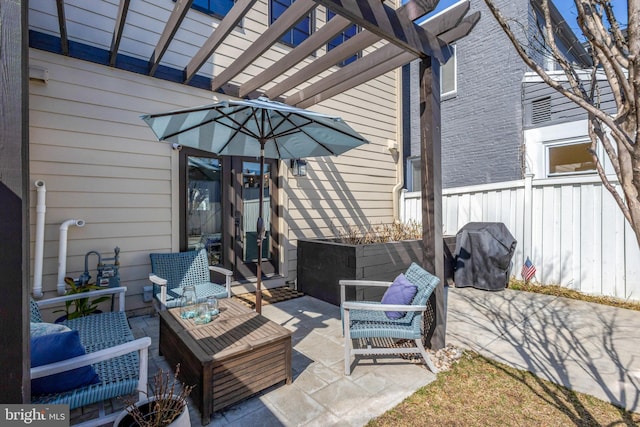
347 354
426 356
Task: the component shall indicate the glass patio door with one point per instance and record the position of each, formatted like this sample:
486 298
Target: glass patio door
203 207
219 200
247 192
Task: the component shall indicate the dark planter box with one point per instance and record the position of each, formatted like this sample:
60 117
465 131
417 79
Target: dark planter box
322 263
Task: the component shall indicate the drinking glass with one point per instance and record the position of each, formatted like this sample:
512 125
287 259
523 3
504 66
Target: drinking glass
202 314
213 306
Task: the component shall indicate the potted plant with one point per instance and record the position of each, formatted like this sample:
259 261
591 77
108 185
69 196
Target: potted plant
165 406
81 306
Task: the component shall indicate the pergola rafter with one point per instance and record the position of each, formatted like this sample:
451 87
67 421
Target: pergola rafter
378 21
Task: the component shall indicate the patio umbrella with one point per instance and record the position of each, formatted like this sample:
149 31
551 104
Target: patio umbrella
256 128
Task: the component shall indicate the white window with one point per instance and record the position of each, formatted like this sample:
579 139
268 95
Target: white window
570 158
448 75
414 177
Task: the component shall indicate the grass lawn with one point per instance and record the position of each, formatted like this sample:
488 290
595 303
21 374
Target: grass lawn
477 391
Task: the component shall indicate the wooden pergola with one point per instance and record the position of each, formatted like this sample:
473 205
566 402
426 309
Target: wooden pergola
406 42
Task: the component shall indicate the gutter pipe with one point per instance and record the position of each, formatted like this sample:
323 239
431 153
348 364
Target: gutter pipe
62 252
41 208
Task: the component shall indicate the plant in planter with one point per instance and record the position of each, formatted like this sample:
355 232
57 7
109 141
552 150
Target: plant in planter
375 252
82 306
165 406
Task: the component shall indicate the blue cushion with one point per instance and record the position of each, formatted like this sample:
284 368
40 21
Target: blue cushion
402 292
54 348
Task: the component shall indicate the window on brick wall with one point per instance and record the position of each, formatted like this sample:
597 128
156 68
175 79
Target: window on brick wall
414 177
448 75
571 158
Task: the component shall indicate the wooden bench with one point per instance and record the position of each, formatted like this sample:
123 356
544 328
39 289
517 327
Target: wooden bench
120 361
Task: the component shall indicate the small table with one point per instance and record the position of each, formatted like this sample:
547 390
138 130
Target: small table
237 354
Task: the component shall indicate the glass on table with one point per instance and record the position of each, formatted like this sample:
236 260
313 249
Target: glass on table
212 306
202 314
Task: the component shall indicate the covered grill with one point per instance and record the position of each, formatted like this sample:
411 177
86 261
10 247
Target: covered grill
483 256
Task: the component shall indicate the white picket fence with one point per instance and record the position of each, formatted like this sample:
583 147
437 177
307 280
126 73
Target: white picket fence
571 228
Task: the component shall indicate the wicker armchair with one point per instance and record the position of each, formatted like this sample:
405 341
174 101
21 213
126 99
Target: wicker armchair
120 361
171 272
365 320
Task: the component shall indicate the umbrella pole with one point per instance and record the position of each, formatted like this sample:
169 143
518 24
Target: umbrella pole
260 232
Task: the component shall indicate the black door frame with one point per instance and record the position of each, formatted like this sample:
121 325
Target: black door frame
231 207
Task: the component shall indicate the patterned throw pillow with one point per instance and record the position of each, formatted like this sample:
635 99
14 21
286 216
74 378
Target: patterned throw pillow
39 329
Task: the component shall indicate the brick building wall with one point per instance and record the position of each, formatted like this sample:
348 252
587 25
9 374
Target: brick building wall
482 122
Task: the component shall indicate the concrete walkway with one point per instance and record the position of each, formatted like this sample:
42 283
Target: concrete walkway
587 347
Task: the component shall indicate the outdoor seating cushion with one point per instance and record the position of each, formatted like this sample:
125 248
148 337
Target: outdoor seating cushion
401 292
118 376
56 347
375 323
203 290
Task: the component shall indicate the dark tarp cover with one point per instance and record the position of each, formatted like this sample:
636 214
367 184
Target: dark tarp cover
483 256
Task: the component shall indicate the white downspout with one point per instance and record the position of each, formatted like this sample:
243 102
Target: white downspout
62 252
41 208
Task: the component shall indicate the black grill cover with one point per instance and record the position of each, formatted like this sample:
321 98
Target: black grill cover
483 256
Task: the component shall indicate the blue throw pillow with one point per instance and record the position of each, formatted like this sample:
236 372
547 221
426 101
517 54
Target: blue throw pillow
54 348
402 292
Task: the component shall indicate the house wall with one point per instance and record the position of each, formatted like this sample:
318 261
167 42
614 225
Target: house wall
482 122
101 163
562 109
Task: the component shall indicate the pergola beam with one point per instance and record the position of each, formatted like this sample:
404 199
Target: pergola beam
462 29
288 19
450 23
62 23
385 22
123 8
341 52
177 16
411 10
358 79
376 60
318 38
235 15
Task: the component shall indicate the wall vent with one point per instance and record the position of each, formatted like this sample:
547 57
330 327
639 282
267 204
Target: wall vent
541 110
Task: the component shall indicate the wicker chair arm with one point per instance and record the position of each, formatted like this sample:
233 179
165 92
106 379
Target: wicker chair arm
227 277
221 270
141 344
157 280
354 305
364 283
121 290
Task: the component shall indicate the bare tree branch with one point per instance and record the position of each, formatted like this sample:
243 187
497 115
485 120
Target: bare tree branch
616 58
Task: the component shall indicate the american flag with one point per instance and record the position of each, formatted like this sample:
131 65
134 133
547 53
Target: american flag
528 270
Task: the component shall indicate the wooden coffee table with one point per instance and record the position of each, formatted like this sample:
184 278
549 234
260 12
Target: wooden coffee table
236 355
